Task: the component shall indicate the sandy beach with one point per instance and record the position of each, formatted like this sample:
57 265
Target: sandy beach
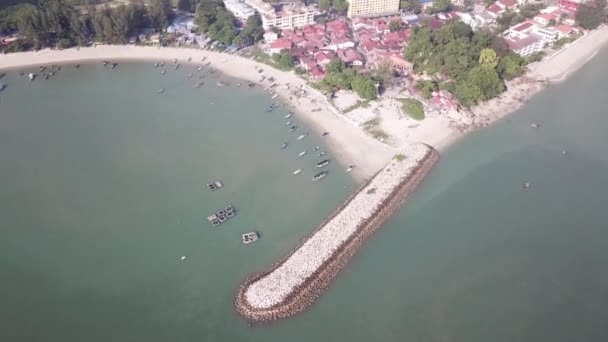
349 144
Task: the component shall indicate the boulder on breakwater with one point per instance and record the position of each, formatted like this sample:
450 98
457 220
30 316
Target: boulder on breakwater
294 283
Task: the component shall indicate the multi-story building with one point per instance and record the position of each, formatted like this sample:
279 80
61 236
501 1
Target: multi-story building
289 17
372 8
526 46
239 8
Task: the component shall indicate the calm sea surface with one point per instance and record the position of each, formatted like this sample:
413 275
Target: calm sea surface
102 192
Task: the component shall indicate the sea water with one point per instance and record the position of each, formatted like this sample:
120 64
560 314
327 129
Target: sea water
103 192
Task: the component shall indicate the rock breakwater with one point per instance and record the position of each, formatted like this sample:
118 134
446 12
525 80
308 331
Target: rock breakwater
294 283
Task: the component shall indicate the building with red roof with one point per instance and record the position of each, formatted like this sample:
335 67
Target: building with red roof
351 56
280 44
317 73
495 10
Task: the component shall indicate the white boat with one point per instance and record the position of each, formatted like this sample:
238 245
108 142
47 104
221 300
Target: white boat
302 136
274 96
288 115
183 257
288 123
319 175
302 153
163 72
317 148
31 76
297 171
322 163
162 90
350 168
238 85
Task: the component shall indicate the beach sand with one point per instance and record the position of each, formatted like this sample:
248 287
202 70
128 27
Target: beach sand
349 142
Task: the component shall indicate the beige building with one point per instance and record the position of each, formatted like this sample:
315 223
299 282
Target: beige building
289 17
372 8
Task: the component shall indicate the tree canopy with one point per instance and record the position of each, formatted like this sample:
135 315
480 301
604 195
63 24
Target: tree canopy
340 76
591 15
213 18
284 60
470 61
413 6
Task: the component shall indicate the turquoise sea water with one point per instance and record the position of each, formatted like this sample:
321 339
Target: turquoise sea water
102 193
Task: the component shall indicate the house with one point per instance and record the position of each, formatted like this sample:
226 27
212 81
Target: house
507 4
545 19
526 46
324 57
308 63
548 34
520 30
565 31
340 43
317 73
270 36
351 56
494 10
280 44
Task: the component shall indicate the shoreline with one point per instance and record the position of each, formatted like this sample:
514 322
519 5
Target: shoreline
306 290
349 144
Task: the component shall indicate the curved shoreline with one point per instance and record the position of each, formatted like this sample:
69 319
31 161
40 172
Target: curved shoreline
304 295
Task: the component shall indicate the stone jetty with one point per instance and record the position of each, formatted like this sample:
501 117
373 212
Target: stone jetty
295 282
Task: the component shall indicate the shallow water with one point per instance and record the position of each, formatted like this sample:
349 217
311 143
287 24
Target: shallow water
102 194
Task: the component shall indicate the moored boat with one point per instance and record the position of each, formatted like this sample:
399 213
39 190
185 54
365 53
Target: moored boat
350 168
303 135
288 115
288 123
302 153
250 237
161 90
322 163
319 176
297 171
2 86
292 128
284 146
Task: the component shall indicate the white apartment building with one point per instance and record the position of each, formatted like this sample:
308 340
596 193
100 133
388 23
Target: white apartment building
526 46
239 8
372 8
289 17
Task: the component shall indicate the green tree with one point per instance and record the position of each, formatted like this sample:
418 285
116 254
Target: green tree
413 6
340 5
384 72
364 86
395 25
426 87
589 16
186 5
488 58
441 6
510 66
160 13
284 59
324 5
335 66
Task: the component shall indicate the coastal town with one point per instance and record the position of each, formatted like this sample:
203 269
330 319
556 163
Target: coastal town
387 83
360 54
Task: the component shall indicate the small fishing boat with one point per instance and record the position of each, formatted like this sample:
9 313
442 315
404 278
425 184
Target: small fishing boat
238 85
270 79
269 109
251 84
174 60
292 128
535 125
526 186
163 72
221 84
183 258
319 176
297 171
322 154
350 168
250 237
31 76
322 163
199 84
199 68
105 63
189 75
288 123
114 65
302 153
274 96
2 86
284 146
161 90
156 65
325 133
215 185
317 148
176 66
162 64
266 88
288 115
303 135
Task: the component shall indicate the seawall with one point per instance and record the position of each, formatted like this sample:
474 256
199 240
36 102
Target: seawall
280 292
